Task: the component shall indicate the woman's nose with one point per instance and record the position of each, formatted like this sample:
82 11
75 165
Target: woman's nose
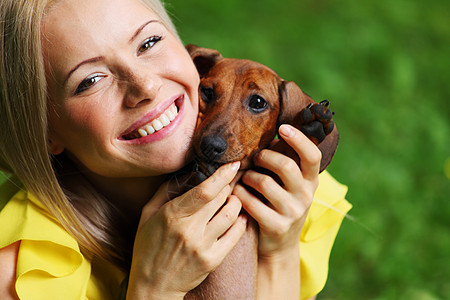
142 87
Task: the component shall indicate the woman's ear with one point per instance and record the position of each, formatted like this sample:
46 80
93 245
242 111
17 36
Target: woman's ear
54 147
204 58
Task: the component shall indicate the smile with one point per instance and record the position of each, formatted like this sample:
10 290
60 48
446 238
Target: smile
150 128
156 125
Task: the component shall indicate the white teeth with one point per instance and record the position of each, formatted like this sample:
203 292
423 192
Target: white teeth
170 115
157 124
142 132
149 129
164 120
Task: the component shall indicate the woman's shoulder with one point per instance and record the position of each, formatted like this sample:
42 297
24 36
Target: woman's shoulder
46 252
328 209
24 217
329 189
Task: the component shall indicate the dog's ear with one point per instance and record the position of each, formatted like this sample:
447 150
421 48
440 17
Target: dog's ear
204 58
328 147
292 102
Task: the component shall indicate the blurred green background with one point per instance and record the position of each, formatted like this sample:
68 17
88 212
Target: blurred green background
385 67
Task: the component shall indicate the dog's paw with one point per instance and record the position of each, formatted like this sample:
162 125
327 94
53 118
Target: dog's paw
316 121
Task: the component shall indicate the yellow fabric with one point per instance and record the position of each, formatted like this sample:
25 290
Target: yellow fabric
319 232
51 266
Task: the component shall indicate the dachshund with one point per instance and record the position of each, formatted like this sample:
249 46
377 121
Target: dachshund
242 104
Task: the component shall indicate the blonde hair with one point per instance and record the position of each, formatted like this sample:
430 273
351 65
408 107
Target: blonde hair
23 136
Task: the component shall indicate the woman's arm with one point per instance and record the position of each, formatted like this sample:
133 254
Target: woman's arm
281 219
8 263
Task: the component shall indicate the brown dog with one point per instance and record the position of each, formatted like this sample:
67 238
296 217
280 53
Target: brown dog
242 104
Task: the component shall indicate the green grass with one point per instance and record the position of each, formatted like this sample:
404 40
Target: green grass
384 66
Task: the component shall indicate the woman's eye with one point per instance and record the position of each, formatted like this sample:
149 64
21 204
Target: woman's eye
148 43
87 83
257 104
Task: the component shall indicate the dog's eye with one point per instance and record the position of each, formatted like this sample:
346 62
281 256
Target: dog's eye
207 94
257 104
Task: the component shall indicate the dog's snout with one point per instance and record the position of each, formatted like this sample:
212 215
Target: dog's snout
213 146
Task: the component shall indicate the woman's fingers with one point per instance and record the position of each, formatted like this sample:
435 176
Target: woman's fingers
286 168
222 221
268 187
309 154
230 238
263 214
216 185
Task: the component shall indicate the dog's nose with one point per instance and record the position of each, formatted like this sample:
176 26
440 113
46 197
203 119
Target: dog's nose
213 146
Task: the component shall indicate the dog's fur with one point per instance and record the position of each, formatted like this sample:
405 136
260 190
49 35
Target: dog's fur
242 104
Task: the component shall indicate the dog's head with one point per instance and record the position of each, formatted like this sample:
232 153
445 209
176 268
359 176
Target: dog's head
242 104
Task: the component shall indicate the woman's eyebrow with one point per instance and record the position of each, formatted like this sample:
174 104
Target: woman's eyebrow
141 28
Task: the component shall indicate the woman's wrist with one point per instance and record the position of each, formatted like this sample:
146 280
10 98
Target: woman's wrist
278 263
279 275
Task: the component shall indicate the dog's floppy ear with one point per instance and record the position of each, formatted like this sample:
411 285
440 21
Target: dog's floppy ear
292 102
204 58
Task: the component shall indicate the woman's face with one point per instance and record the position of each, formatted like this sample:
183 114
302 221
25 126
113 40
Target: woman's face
122 88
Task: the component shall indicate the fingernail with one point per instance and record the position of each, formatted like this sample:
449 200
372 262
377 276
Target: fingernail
243 218
286 130
235 166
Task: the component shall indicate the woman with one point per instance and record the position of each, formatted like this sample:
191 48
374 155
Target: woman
80 82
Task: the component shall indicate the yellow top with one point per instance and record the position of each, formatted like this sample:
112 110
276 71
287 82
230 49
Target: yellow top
319 231
51 266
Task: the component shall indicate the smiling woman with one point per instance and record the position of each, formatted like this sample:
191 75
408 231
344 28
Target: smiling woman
99 101
98 88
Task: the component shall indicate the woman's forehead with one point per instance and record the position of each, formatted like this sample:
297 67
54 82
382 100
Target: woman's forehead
94 14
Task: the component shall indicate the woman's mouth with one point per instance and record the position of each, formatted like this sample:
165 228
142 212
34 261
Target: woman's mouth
155 125
158 123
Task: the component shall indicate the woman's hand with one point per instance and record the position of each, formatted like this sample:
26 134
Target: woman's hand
180 242
281 220
282 217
